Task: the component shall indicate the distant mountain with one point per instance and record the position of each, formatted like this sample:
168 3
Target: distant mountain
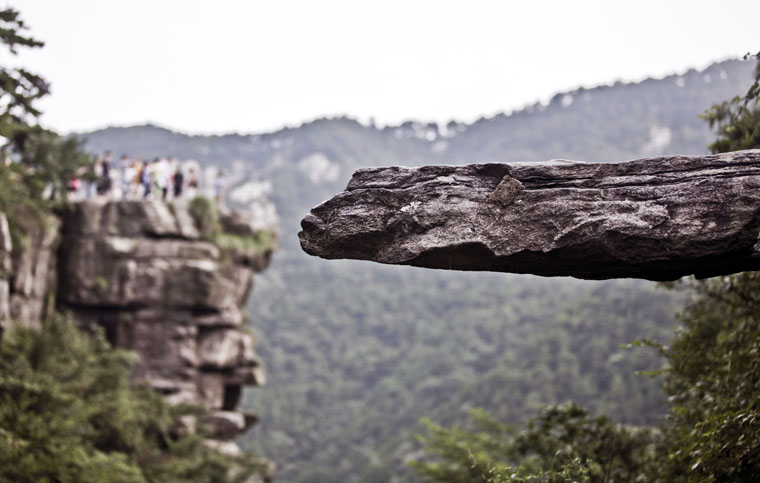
358 352
603 123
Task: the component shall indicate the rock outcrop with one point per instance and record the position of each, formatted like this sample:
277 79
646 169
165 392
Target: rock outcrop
158 285
28 272
658 219
143 271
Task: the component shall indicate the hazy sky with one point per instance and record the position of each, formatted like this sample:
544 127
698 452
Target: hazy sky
251 66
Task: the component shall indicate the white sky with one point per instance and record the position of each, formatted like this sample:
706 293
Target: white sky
251 66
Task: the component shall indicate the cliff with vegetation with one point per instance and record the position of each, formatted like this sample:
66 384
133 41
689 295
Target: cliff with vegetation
165 280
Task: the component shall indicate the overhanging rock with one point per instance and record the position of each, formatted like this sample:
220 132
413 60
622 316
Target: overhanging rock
657 218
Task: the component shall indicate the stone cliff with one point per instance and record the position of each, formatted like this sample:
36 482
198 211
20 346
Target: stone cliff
159 285
658 218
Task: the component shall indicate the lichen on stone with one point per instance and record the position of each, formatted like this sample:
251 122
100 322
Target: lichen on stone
507 191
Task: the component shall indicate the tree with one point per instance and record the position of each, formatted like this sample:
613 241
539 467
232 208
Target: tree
44 162
713 384
19 88
737 121
563 444
69 413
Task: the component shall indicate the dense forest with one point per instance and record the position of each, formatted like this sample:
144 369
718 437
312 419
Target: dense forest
357 353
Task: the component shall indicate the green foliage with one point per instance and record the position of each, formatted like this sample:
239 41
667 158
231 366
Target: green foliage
100 283
261 242
47 162
564 443
713 383
19 89
69 413
206 217
358 361
737 121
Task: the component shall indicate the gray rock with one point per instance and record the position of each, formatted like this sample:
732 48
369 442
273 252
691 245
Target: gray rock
222 389
225 425
150 272
226 317
141 271
5 269
236 223
33 273
185 222
214 393
148 218
229 448
658 218
223 348
5 307
6 246
32 265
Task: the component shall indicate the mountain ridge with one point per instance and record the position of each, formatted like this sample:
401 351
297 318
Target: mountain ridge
529 107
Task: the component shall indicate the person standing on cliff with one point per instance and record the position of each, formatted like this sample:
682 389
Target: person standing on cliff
94 177
104 182
178 180
146 178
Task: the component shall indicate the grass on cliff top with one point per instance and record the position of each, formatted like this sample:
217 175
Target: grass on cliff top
260 243
206 217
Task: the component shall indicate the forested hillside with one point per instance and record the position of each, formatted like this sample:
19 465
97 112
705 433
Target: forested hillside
356 353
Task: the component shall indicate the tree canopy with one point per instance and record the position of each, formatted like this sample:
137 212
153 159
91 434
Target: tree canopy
737 121
19 88
69 413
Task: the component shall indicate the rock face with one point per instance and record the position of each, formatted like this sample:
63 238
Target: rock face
5 270
658 218
27 273
141 270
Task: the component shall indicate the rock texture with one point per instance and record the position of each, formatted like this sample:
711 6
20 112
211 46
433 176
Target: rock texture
141 270
28 272
5 270
658 218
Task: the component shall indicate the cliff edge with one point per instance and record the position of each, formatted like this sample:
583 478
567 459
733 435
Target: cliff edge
165 280
654 218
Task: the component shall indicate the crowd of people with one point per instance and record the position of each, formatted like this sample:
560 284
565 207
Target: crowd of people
131 178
